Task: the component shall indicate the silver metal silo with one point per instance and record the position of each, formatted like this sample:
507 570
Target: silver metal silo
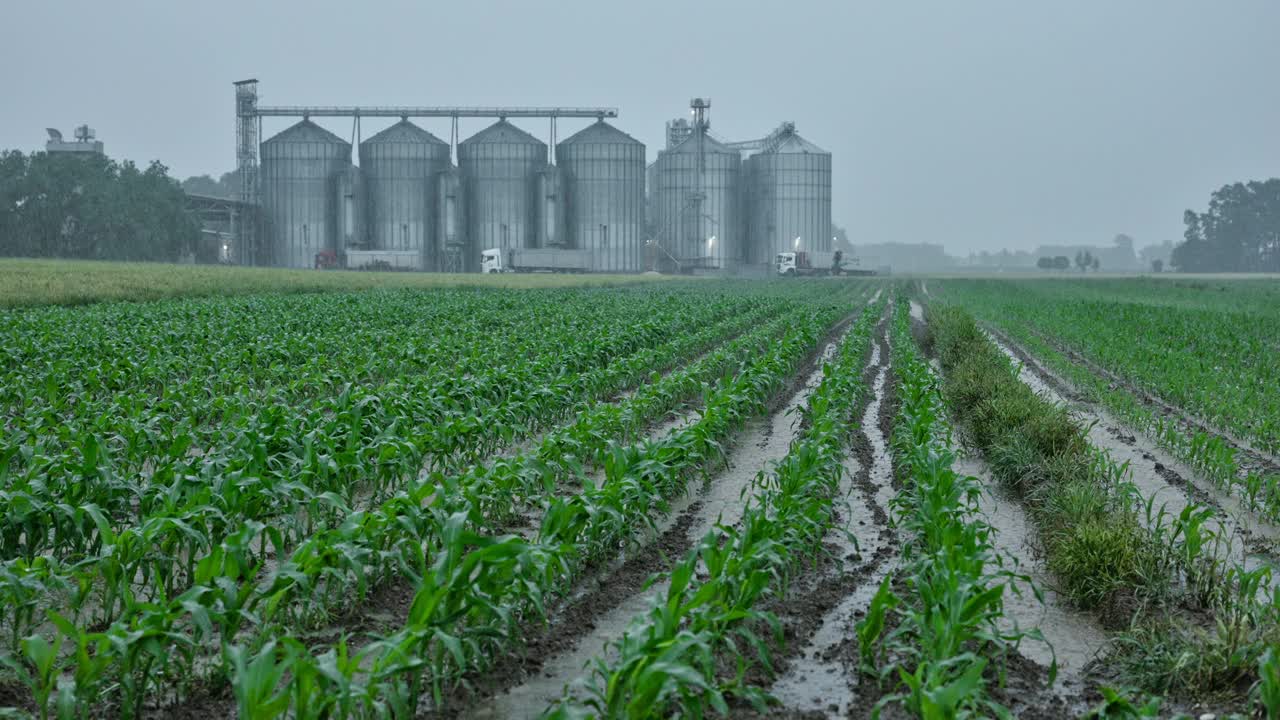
299 168
499 167
604 172
400 166
789 198
699 222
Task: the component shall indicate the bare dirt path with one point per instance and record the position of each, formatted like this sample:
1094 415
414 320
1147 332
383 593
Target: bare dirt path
1076 636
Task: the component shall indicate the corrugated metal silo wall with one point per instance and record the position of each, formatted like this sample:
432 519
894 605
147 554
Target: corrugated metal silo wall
499 184
299 167
400 176
606 201
790 197
689 227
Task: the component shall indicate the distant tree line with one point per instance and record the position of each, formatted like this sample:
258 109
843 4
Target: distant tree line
1240 232
89 206
226 186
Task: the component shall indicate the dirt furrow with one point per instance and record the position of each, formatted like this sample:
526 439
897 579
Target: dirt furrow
558 657
1076 636
818 675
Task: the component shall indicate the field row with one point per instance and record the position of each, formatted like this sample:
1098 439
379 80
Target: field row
324 459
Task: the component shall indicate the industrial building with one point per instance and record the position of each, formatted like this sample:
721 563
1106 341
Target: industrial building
85 143
417 202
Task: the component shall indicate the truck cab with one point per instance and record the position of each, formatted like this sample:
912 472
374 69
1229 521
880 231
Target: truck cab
785 262
491 261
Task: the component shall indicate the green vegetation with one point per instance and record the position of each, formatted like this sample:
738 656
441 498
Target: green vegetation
227 475
1108 547
25 283
1240 232
673 658
86 205
1206 348
931 644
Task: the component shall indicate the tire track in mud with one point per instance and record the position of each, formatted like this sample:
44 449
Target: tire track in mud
1152 470
818 665
556 656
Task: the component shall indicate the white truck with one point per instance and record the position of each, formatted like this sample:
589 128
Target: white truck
809 262
497 260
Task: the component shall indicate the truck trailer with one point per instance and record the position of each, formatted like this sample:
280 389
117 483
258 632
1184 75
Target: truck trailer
497 260
809 262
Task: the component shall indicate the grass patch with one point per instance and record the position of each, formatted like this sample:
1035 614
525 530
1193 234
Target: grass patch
28 282
1093 541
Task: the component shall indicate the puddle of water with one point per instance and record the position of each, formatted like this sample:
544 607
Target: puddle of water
816 679
761 442
1074 635
917 311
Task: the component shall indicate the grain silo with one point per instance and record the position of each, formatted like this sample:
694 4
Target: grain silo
696 204
604 172
788 194
299 168
499 167
400 166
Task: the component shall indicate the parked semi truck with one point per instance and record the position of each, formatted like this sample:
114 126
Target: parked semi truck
496 260
806 262
809 262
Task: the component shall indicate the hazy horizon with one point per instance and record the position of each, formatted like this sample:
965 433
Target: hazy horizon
978 126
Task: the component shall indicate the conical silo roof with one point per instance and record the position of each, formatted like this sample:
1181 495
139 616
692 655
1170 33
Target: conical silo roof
305 131
709 144
404 132
600 132
793 144
502 133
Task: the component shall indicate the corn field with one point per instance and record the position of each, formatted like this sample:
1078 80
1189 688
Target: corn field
826 498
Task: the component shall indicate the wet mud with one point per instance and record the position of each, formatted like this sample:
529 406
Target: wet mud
557 658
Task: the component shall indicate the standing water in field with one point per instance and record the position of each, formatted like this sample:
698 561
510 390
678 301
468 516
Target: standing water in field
761 443
817 679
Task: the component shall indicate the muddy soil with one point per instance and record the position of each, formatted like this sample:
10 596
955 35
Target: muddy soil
818 664
557 659
1074 637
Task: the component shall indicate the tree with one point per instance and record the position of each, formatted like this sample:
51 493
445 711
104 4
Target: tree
1157 265
1045 263
1062 262
202 185
1097 264
1084 260
1240 231
89 206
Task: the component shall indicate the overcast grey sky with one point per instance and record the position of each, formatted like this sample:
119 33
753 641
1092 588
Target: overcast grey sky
978 125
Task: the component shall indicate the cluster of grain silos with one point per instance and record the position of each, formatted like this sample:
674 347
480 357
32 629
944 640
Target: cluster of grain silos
711 206
408 207
731 207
